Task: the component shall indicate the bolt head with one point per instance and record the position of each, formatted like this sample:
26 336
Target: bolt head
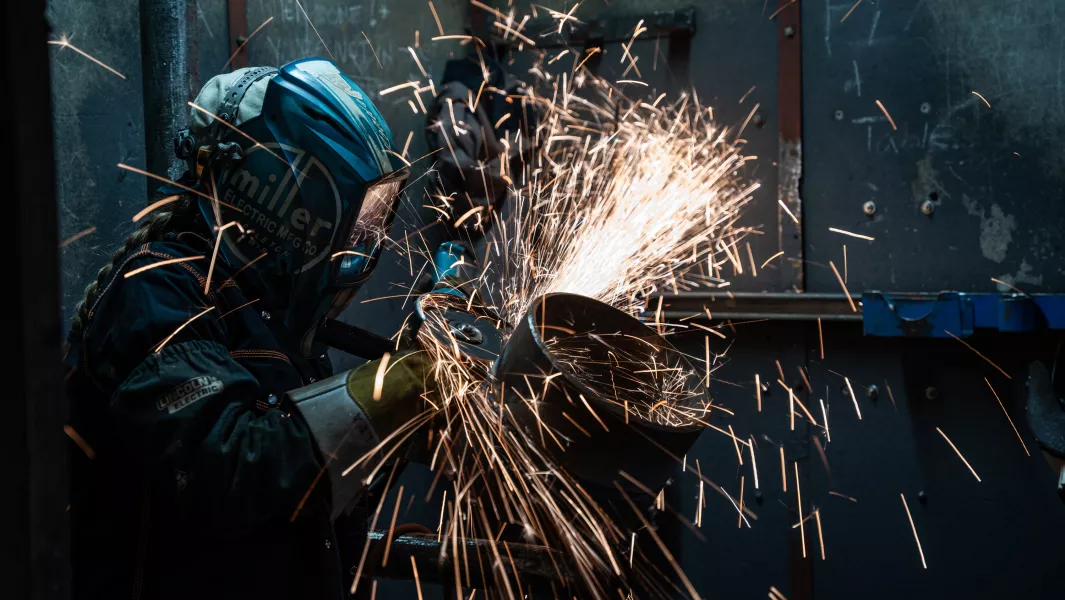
874 392
931 393
839 114
241 40
927 208
789 31
759 120
869 208
922 497
758 496
265 315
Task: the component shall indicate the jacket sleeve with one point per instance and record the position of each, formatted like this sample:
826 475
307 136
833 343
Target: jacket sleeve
185 417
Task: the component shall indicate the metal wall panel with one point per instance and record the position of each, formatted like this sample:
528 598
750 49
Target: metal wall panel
99 122
992 176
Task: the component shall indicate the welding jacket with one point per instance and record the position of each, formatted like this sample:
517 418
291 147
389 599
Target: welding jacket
192 479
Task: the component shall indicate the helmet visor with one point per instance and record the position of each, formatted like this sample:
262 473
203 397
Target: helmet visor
356 258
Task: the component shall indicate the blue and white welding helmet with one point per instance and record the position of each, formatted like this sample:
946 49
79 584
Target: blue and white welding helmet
303 164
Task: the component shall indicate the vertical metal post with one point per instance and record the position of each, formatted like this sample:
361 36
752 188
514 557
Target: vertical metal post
168 73
238 33
34 527
789 159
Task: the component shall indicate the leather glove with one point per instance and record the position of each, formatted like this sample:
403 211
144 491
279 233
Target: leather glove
347 421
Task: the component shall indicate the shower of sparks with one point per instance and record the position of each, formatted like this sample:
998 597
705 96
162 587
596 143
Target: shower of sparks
615 199
958 452
1019 438
914 528
857 235
977 94
77 236
245 43
888 115
160 264
64 42
309 22
977 352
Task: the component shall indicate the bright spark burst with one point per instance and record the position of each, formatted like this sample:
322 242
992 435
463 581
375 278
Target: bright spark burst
615 199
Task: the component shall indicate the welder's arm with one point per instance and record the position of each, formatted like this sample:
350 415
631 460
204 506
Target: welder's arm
347 421
223 461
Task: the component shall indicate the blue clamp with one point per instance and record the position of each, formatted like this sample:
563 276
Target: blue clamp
960 314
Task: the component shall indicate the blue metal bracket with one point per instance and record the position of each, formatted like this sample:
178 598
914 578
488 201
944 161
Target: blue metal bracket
938 315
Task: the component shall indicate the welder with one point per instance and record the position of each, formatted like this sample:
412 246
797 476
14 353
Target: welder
203 470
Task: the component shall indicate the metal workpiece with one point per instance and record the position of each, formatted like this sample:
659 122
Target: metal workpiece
883 314
749 305
616 394
434 555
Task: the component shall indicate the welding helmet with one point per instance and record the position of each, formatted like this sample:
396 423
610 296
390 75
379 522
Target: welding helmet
301 187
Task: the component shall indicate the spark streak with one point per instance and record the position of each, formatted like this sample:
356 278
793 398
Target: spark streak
888 115
1019 438
844 286
306 16
77 236
160 264
65 43
977 352
857 235
958 452
159 348
914 528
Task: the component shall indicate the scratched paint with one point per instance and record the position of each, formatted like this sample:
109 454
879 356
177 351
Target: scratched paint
1013 53
996 228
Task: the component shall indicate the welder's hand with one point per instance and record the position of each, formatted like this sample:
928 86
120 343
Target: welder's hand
391 392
